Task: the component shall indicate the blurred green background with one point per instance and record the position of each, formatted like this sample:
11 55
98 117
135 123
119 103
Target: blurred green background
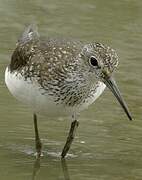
107 145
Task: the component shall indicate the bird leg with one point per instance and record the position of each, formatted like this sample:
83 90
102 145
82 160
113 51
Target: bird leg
70 138
38 144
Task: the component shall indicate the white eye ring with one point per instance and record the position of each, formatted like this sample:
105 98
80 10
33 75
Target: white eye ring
93 61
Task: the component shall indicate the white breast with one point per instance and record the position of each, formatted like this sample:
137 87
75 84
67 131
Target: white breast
31 94
96 92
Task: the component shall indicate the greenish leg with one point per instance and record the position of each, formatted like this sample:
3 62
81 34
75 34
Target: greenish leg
38 144
70 138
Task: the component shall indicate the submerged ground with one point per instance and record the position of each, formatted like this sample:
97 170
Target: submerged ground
107 145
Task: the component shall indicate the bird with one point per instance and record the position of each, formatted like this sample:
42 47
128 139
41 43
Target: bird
59 77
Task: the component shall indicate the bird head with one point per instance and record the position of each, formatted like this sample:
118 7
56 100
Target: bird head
102 61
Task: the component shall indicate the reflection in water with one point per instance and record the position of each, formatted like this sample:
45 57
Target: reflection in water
65 169
36 168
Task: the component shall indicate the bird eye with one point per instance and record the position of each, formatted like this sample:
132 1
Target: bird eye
93 61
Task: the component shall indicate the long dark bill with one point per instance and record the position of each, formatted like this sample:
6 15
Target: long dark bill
111 84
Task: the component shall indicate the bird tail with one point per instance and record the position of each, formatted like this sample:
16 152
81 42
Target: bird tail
30 33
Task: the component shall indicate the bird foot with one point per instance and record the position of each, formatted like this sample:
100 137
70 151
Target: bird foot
38 155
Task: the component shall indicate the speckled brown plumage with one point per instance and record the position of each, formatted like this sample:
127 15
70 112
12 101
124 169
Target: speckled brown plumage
60 77
60 66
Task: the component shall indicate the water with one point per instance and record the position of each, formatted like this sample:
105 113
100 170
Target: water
107 145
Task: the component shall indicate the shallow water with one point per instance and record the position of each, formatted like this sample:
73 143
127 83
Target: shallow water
107 145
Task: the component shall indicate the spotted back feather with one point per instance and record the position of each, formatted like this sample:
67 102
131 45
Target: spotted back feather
30 33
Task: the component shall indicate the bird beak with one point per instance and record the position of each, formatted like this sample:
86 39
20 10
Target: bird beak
111 84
